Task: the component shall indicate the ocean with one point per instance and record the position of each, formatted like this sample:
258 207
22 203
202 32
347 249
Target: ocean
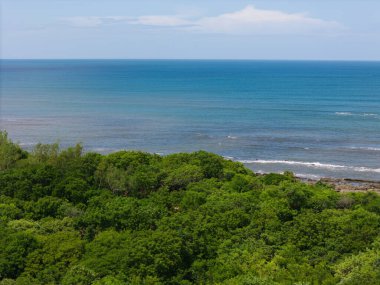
315 118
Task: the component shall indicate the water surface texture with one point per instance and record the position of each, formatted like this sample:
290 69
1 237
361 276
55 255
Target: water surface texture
314 118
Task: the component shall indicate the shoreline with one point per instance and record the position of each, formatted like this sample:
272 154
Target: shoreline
346 184
340 184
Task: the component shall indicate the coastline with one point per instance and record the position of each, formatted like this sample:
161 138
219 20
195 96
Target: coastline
346 184
339 184
271 122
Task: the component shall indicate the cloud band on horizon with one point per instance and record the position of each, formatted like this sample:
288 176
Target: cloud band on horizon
247 21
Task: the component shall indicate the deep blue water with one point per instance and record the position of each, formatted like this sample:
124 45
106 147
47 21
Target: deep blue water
314 118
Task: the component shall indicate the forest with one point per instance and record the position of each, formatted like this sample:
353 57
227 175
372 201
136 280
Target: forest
73 217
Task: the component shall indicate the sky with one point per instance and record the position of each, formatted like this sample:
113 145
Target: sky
197 29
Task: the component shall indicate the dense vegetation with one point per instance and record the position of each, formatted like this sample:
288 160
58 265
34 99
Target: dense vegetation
68 217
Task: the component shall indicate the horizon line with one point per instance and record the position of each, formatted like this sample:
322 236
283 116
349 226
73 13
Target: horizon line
199 59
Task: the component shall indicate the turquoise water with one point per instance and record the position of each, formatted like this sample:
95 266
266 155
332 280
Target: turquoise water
314 118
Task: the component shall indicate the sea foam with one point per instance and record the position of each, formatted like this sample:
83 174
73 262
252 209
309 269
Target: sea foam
371 115
314 165
365 148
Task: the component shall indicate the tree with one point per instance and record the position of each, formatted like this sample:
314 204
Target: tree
49 263
360 269
10 153
182 176
14 249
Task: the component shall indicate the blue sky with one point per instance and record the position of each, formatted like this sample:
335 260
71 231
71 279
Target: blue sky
267 29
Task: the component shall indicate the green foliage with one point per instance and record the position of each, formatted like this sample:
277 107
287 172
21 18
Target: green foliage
120 213
9 211
243 183
57 252
14 250
148 253
360 269
183 176
45 207
79 275
68 217
47 153
275 179
248 279
211 164
10 153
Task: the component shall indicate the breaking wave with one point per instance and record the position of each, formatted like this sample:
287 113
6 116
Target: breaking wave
314 165
365 148
371 115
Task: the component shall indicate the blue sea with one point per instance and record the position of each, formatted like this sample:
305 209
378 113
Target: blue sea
315 118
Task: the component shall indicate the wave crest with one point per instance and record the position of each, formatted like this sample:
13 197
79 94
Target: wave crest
365 148
314 165
372 115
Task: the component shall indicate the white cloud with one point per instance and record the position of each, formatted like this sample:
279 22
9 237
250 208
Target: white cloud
92 21
250 21
163 21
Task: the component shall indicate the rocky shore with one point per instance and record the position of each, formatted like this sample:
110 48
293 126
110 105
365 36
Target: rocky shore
348 185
